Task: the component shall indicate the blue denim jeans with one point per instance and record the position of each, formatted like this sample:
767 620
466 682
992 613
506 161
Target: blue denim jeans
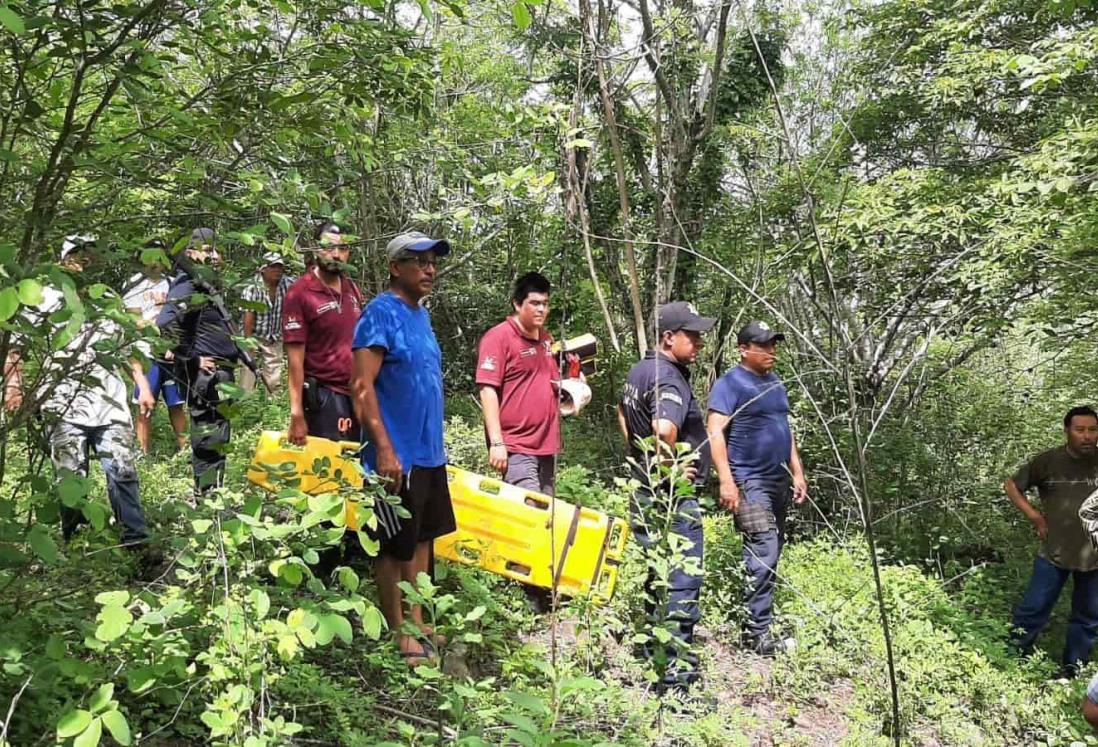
1033 612
681 611
70 446
761 518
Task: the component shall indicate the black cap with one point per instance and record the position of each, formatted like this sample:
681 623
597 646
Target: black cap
671 317
202 237
758 332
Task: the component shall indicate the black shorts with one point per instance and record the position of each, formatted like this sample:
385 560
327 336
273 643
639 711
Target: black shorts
329 414
426 496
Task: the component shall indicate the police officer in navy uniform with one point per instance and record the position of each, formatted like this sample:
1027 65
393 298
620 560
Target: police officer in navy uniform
203 355
658 401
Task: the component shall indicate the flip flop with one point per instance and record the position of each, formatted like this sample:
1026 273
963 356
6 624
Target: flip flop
415 658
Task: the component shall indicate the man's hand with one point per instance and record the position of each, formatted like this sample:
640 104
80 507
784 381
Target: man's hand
13 398
207 364
800 489
299 429
497 457
145 402
1040 525
729 496
390 470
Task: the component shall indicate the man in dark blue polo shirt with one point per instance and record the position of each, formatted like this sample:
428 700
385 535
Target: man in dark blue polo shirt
756 460
658 401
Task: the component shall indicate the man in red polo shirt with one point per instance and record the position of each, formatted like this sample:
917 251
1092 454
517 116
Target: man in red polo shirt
518 376
318 324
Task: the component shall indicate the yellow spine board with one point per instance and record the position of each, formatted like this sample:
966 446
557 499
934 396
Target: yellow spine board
511 532
501 528
278 464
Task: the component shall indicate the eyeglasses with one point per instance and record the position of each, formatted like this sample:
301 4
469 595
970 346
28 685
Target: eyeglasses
424 262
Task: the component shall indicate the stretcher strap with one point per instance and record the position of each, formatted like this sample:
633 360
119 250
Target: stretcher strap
568 542
602 555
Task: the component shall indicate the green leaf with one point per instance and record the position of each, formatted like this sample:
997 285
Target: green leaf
9 303
116 598
326 503
520 14
11 20
330 625
117 726
55 647
261 602
90 736
522 722
348 579
102 697
291 573
528 702
372 622
72 723
30 292
42 543
141 680
283 223
71 489
114 621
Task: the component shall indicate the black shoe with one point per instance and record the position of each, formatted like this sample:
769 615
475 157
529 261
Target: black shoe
148 559
1070 671
765 644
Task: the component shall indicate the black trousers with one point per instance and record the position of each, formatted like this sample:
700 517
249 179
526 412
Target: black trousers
210 429
329 414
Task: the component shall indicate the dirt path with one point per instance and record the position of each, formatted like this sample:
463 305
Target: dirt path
750 711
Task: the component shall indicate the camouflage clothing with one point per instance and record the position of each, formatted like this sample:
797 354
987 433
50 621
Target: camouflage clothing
71 444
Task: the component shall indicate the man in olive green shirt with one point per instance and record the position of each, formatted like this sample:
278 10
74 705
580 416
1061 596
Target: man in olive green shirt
1063 477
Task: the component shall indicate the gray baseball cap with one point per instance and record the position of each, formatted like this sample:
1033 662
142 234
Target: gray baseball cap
202 237
415 242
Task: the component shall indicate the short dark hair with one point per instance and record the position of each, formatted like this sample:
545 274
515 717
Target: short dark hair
531 282
1082 411
325 226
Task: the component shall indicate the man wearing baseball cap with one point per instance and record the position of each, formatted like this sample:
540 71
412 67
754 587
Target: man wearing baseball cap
82 397
756 459
658 402
144 295
263 320
203 354
397 391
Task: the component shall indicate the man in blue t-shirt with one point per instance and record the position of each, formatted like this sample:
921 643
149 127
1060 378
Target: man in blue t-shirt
397 396
756 459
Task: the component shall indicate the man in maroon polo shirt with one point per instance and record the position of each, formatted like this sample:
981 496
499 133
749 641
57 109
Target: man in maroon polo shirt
518 376
318 324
